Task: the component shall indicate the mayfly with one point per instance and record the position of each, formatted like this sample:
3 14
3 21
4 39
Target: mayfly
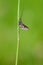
22 25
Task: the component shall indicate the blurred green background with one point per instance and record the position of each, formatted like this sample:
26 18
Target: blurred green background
31 41
8 31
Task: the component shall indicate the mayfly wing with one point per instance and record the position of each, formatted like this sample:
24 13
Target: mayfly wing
20 21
